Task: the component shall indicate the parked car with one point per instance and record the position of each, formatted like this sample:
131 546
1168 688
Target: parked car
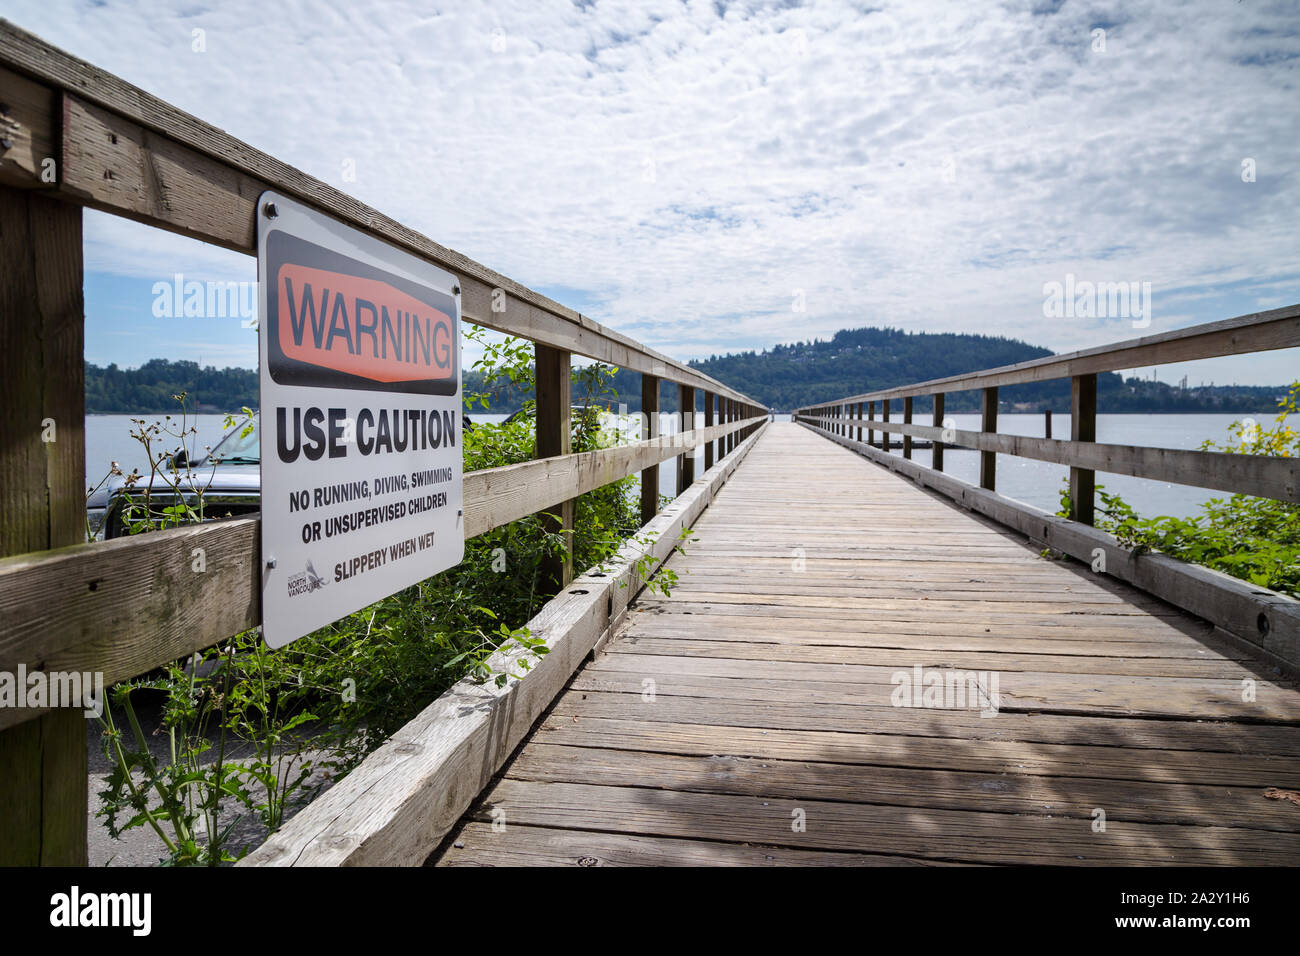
228 478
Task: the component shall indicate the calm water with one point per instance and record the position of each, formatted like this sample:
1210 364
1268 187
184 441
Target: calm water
1035 482
1039 483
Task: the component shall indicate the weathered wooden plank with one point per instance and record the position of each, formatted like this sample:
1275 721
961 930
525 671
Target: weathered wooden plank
686 423
29 120
709 402
939 834
1073 798
650 474
989 426
478 844
1022 691
554 436
888 661
784 707
1111 760
936 444
1083 428
851 631
42 501
907 420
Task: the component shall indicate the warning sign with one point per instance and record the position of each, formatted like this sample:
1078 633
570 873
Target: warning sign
360 419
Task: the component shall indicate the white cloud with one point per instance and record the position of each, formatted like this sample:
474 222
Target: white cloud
925 165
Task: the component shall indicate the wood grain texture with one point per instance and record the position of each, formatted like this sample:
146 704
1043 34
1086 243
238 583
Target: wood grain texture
29 122
763 687
554 438
42 503
1266 620
650 474
1083 480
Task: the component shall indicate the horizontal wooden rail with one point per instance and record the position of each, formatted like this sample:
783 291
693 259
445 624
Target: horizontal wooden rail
1256 332
125 606
396 807
119 149
1259 475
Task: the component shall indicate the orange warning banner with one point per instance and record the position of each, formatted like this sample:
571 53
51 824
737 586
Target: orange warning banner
363 327
336 321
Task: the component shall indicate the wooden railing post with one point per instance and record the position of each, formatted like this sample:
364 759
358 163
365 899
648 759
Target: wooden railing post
936 449
886 438
554 437
1083 427
731 417
43 761
989 423
686 417
871 417
650 475
724 404
859 422
1047 423
907 420
709 399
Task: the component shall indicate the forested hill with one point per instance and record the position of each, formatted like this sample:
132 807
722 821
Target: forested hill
862 360
855 361
149 388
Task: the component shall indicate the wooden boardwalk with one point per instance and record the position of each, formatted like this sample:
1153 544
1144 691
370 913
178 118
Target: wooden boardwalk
752 718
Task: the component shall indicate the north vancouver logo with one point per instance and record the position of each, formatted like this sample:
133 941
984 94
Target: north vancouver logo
304 582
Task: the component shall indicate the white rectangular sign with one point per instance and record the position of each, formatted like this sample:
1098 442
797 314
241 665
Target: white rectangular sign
360 419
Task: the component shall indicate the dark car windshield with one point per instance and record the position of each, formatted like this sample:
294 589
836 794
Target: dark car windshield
237 448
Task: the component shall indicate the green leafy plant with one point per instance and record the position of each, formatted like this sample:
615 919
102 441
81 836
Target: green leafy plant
1255 539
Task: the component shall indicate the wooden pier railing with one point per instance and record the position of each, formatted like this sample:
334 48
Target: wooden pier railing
75 136
1262 617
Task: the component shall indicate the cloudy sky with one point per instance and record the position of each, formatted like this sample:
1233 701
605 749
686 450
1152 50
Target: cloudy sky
693 173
